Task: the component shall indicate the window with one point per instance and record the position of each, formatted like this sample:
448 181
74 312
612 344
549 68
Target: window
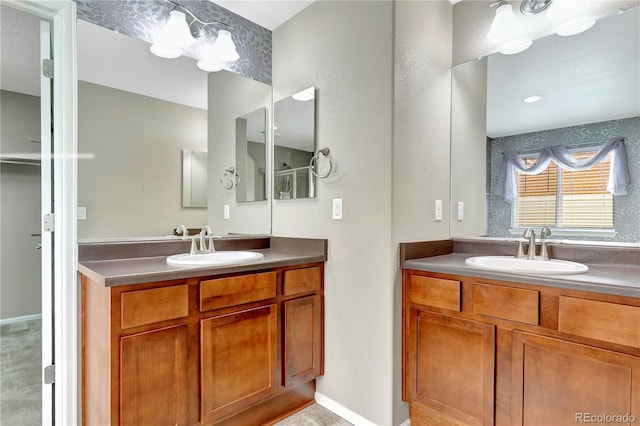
564 199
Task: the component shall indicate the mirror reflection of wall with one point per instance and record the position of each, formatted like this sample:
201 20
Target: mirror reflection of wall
194 178
294 146
589 88
251 156
231 96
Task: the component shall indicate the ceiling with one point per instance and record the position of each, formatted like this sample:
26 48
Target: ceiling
267 13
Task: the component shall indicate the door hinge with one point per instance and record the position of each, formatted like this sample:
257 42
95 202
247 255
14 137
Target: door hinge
47 68
48 222
49 374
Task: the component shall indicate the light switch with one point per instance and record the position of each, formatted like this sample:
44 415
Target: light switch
460 210
82 213
227 213
438 210
337 209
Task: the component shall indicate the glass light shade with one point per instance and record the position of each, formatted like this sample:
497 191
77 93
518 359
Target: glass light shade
504 25
164 51
531 99
209 66
224 49
176 32
516 47
575 27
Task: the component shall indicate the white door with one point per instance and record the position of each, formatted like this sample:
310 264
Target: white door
46 185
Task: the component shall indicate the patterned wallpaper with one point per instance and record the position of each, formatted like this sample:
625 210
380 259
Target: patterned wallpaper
626 211
142 18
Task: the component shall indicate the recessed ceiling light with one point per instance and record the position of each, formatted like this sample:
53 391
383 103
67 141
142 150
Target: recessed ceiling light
531 99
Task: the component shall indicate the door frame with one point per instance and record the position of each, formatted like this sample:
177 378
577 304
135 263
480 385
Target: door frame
66 333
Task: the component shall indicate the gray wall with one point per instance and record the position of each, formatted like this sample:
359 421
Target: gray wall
20 262
388 174
345 50
626 212
133 186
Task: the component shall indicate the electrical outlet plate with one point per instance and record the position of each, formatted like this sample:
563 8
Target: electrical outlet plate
337 209
460 210
438 210
227 213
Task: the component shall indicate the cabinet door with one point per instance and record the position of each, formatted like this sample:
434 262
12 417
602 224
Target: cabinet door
302 339
153 380
450 366
238 361
555 382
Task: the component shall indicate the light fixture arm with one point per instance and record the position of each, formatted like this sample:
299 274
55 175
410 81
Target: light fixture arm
198 28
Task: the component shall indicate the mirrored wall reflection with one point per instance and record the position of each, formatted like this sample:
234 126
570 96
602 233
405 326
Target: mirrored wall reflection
194 178
251 156
585 89
294 146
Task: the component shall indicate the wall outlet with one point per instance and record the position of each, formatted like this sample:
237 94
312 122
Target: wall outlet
460 210
82 213
227 213
337 209
438 210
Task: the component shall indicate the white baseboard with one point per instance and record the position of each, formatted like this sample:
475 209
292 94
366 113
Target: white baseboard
20 319
342 411
406 423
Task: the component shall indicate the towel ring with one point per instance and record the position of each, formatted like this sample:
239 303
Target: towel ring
314 160
230 179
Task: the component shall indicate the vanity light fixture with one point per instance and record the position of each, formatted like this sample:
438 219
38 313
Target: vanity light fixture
531 99
532 7
209 66
183 29
504 25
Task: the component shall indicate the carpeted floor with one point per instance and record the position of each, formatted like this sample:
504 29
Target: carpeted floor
314 415
20 378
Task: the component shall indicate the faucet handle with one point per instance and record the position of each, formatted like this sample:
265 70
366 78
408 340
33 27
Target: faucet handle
545 232
181 229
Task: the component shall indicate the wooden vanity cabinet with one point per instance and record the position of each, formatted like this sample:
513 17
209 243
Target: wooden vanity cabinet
237 350
484 352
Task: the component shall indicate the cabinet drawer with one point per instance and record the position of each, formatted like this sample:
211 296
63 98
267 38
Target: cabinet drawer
514 304
223 292
609 322
143 307
436 292
298 281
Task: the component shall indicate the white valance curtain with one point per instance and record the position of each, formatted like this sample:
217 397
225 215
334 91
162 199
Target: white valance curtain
507 185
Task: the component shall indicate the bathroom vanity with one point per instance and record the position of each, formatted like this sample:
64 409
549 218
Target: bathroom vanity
484 348
236 345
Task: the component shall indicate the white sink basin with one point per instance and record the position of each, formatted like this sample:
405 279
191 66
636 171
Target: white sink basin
527 266
218 258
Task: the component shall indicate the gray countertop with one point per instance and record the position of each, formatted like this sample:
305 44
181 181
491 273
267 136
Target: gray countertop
620 280
115 272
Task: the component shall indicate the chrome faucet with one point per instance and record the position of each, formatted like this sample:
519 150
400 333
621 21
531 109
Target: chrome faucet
181 229
531 235
204 233
544 232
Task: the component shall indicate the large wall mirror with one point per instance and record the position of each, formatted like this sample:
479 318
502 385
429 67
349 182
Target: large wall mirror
294 145
194 178
137 115
588 89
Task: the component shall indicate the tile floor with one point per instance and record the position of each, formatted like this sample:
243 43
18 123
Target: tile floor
20 385
314 415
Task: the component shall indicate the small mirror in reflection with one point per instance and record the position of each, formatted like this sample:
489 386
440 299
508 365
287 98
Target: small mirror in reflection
194 178
251 156
294 146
